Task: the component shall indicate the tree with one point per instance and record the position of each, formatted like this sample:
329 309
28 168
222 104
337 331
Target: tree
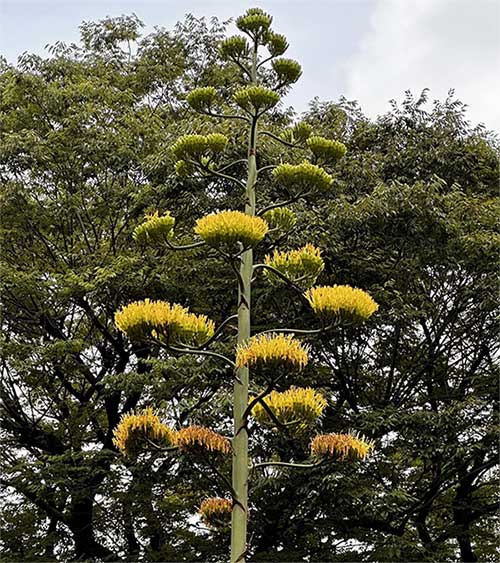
427 384
82 158
234 235
84 154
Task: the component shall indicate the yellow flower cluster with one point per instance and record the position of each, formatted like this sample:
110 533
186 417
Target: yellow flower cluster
173 323
216 512
194 439
301 266
272 350
155 228
341 446
302 406
343 300
228 228
135 429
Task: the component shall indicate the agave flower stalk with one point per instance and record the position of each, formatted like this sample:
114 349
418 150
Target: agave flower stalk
235 235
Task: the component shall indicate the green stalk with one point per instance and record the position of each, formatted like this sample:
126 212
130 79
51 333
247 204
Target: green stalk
240 471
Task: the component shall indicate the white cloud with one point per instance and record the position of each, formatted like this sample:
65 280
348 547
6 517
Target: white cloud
436 44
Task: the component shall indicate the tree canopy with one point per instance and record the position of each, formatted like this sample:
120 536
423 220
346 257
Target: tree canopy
412 217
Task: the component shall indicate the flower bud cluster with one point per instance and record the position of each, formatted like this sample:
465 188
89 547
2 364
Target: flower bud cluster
280 218
256 99
326 150
302 178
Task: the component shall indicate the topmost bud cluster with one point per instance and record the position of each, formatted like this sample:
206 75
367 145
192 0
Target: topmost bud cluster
255 23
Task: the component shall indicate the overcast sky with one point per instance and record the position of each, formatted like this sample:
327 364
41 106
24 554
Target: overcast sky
368 50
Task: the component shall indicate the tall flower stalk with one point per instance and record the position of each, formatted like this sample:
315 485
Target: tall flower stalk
235 235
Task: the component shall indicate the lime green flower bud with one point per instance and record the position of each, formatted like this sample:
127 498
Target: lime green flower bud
256 12
280 218
255 22
155 229
202 99
326 149
197 146
183 168
288 70
256 97
235 47
276 43
189 146
302 131
302 178
216 142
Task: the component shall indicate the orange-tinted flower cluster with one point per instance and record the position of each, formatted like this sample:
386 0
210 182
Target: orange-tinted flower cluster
340 446
194 439
216 512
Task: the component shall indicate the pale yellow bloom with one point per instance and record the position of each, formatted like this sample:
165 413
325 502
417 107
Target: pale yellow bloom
194 439
155 229
298 406
143 319
228 228
340 446
136 429
272 350
341 300
301 266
